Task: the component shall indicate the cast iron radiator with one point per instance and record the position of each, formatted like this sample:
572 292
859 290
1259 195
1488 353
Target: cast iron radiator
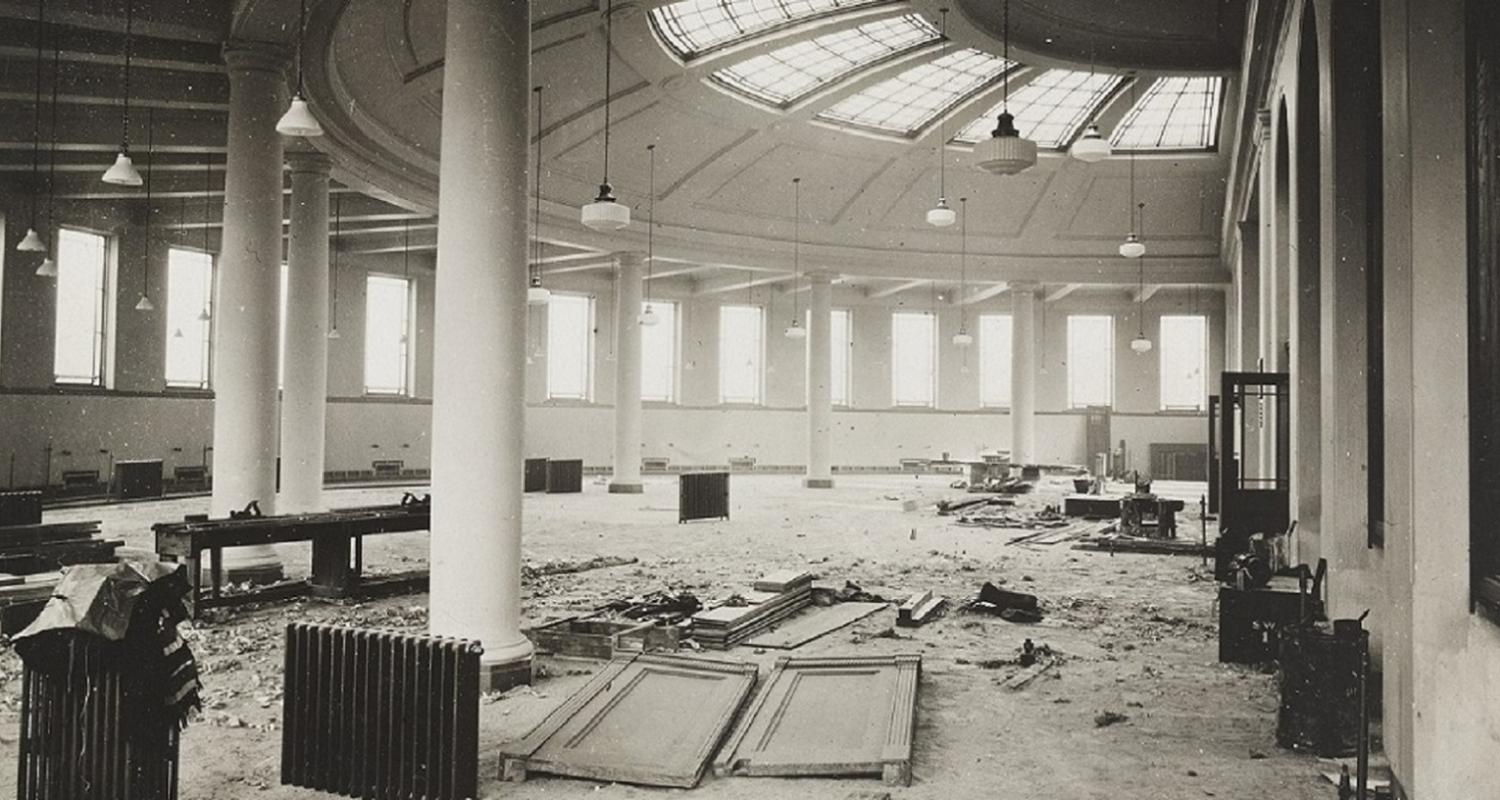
565 476
21 507
703 495
79 740
380 714
535 475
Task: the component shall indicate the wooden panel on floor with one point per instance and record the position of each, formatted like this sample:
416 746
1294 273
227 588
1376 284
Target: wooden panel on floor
648 719
813 623
829 716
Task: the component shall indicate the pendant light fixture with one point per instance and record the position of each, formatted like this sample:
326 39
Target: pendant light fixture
1091 147
206 314
536 293
338 221
145 304
1141 344
123 172
963 338
604 214
32 241
1006 152
940 215
648 317
795 330
1132 247
298 119
48 267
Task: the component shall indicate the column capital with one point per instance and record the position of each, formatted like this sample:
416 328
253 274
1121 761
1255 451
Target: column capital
821 276
629 258
1025 287
242 55
309 162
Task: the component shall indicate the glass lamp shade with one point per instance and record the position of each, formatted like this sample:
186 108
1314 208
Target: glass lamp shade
177 334
963 338
333 333
1132 247
298 120
940 215
1092 147
47 269
123 172
204 316
32 242
1140 344
795 331
1006 152
648 317
144 304
604 214
536 293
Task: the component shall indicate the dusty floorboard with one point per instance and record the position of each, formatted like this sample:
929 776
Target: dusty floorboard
1135 634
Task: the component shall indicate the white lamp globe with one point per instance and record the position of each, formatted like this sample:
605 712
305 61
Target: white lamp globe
1140 344
123 172
604 214
1092 147
299 120
963 338
795 331
940 215
32 242
536 293
1132 247
648 318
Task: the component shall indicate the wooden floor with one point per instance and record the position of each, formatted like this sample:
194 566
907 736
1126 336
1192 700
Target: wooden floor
1135 633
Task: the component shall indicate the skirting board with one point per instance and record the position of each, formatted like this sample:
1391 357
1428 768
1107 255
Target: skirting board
647 719
829 716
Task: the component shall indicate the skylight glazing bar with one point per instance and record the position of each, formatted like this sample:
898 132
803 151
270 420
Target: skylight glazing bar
786 75
1052 108
691 28
1180 113
912 100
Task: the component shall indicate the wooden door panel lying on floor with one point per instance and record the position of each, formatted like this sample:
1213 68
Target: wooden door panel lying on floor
647 719
829 716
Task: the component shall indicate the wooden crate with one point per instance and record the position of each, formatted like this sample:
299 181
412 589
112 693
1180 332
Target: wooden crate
592 637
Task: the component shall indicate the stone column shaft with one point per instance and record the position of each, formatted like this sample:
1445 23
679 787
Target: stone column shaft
304 394
1023 374
627 475
820 383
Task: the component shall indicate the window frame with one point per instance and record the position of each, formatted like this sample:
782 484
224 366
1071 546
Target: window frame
1010 350
408 318
207 326
1073 404
760 365
896 342
675 393
590 348
908 80
1161 373
1213 131
104 322
671 40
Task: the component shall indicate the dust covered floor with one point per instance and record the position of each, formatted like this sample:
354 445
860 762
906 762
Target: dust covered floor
1136 634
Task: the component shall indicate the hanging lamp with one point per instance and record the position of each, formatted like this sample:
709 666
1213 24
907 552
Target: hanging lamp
1141 344
48 267
648 316
1132 247
536 293
1006 152
298 119
1091 147
32 241
206 314
338 220
604 214
795 330
940 215
123 172
963 338
145 304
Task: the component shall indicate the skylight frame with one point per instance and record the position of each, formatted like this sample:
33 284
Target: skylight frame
825 60
692 29
915 84
1209 117
1061 110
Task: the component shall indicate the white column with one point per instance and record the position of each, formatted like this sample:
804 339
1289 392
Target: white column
246 298
627 476
479 370
304 394
1023 374
820 382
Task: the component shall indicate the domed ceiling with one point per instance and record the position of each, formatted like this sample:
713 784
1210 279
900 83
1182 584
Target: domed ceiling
861 99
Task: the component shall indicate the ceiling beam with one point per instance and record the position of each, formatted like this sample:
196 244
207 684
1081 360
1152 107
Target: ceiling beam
601 261
897 289
1145 293
1062 291
984 294
673 273
566 257
750 284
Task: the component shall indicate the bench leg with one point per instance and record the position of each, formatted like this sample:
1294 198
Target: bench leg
216 570
195 584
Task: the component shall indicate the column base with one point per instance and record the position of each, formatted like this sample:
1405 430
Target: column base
501 675
817 483
626 488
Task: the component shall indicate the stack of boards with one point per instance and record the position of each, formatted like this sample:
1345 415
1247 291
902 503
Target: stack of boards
775 597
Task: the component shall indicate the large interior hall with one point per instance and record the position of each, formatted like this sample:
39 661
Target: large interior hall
833 399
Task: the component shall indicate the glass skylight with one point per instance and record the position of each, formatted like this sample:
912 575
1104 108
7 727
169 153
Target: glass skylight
783 76
908 102
1174 114
693 27
1050 109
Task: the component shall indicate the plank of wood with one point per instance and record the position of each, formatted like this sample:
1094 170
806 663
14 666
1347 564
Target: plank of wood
783 580
1020 679
646 719
919 609
1170 547
812 624
829 716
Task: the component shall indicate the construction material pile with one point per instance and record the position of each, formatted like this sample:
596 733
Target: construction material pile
773 598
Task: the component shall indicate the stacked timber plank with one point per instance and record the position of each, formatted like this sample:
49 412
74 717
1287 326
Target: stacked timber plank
774 598
29 549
